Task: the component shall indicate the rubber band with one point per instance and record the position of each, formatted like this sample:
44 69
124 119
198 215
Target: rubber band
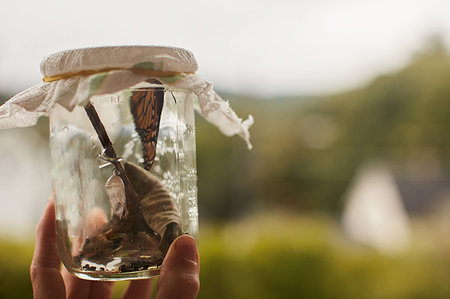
149 73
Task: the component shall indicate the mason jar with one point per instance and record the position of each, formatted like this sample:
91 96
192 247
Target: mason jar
124 179
122 150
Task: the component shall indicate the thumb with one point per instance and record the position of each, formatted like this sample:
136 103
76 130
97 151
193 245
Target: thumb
179 276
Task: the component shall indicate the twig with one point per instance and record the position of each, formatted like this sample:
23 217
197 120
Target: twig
133 204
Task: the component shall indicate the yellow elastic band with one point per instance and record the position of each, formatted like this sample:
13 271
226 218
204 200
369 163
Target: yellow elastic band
149 73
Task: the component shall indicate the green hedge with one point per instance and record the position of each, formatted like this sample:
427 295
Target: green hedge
15 260
285 257
282 257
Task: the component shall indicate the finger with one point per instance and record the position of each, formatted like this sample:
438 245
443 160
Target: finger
80 288
180 270
75 287
139 289
101 289
44 271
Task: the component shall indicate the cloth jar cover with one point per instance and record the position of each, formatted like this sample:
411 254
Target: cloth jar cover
72 77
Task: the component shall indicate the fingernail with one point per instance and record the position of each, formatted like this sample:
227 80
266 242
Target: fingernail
186 248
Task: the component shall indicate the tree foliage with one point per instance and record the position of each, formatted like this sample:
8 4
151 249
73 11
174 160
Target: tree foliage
306 150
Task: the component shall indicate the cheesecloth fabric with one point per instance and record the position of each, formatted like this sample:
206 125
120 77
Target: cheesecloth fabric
72 77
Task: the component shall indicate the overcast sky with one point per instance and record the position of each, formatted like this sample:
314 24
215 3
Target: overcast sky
255 46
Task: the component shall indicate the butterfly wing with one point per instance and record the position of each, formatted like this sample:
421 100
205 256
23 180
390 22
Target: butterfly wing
146 106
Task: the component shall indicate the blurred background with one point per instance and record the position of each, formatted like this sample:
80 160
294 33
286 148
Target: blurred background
346 192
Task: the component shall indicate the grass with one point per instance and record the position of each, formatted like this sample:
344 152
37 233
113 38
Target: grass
287 256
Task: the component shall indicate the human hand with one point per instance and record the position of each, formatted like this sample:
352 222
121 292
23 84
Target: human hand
179 276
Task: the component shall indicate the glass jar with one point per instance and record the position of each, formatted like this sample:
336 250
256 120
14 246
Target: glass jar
124 178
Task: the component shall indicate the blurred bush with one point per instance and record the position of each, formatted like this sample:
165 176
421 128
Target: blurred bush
286 256
15 261
307 257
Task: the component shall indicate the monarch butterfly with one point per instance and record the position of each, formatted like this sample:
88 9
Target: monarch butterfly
146 106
